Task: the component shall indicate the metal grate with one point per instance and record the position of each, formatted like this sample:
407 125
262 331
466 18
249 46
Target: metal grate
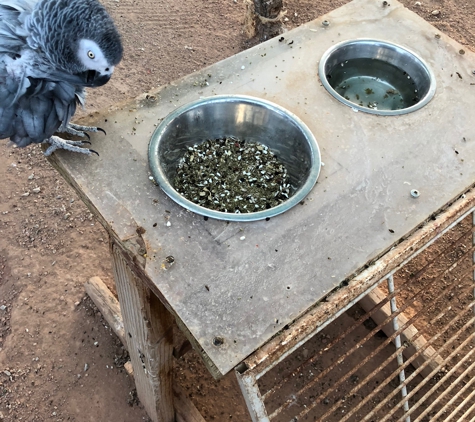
404 352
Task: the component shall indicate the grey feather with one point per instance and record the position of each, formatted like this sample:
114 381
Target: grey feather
43 68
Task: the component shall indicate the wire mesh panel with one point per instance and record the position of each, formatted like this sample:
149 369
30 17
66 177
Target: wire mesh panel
405 352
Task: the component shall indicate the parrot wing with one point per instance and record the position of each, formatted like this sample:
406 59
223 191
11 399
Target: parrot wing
33 109
13 33
42 111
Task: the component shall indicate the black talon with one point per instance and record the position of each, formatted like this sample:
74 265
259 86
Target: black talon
86 142
95 152
87 136
102 130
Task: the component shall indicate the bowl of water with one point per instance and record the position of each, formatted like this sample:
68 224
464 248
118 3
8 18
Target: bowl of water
377 77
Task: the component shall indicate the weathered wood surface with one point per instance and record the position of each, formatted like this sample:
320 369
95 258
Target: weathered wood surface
107 304
110 310
185 410
414 340
307 325
268 18
247 291
128 368
149 338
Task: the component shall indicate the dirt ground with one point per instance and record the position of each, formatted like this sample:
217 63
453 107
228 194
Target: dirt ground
58 358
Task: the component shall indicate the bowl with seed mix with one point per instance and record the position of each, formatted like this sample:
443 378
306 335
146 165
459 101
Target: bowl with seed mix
235 158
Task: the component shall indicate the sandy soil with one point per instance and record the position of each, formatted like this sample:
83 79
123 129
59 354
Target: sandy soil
58 358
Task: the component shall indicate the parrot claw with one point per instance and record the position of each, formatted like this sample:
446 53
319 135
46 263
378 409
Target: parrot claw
79 130
75 146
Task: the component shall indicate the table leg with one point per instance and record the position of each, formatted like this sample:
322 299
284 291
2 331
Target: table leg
149 335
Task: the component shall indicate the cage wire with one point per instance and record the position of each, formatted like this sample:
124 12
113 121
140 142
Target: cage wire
407 357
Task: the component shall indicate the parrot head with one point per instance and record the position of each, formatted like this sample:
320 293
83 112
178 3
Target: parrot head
98 69
78 39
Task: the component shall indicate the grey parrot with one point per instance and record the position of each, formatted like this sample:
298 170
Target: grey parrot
50 50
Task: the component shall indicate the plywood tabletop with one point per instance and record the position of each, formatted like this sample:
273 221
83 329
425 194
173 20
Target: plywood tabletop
243 282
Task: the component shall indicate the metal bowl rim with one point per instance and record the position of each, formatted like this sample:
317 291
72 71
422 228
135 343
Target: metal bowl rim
165 185
424 101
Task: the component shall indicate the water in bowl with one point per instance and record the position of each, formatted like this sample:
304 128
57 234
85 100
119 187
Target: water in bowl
374 84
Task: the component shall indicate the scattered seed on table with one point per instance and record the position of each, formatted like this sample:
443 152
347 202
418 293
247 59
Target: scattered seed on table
232 175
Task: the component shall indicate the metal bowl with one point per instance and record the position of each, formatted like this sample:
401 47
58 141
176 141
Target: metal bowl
377 77
246 118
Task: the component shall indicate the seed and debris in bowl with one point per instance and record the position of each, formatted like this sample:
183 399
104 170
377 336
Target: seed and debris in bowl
232 175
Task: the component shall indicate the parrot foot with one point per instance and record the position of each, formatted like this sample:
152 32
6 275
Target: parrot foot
75 146
79 130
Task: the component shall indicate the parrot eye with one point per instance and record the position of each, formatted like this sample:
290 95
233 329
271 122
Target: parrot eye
90 54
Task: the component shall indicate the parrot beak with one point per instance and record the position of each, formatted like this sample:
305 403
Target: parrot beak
94 79
90 78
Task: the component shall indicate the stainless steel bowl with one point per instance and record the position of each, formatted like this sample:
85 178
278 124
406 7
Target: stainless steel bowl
377 77
246 118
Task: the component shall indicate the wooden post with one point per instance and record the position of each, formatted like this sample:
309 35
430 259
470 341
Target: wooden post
149 335
185 410
267 18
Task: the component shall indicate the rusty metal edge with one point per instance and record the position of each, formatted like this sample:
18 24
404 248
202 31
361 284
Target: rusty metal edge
302 328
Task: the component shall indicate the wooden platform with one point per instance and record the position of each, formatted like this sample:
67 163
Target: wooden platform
230 296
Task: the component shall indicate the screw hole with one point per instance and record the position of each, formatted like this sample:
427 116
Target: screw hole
218 341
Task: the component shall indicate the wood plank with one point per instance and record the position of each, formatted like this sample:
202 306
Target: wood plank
307 325
185 410
128 368
149 338
429 354
109 307
182 349
107 304
184 407
359 210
